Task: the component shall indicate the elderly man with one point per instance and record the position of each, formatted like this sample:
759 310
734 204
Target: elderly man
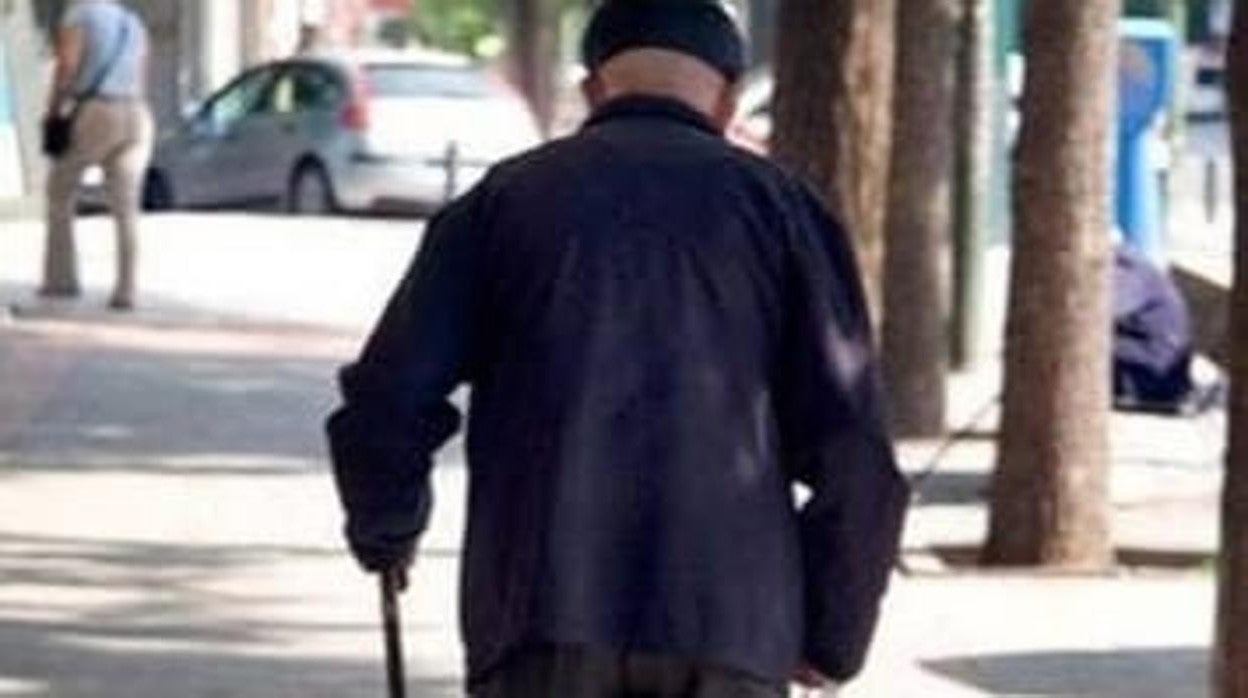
101 68
663 334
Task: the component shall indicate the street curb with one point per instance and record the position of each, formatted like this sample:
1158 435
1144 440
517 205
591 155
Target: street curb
92 312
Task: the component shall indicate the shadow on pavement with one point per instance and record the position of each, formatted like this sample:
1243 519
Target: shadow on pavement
1179 672
952 488
39 659
93 403
123 619
167 390
154 311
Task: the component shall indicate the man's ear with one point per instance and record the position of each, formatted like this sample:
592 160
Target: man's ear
593 91
726 106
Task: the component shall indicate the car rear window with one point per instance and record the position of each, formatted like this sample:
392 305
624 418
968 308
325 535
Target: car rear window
426 81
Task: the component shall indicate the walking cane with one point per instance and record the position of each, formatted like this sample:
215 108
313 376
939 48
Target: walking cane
390 584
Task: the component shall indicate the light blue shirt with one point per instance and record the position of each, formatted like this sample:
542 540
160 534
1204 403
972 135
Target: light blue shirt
108 29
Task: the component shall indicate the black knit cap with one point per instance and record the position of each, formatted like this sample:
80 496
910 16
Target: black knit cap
700 28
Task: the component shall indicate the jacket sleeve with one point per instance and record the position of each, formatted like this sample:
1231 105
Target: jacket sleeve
396 411
835 441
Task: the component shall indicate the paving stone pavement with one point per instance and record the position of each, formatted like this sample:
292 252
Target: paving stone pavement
168 526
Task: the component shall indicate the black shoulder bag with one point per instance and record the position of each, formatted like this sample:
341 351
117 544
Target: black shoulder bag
58 127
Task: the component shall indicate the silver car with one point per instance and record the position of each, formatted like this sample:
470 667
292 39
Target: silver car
380 130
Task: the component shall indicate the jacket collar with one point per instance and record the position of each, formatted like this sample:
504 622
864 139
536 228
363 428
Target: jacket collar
651 107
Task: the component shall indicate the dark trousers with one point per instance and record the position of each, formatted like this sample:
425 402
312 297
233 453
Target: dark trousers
569 672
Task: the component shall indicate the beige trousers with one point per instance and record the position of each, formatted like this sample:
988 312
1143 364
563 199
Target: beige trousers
116 135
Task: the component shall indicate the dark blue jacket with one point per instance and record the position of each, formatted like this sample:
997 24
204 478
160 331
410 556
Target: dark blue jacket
1153 341
663 334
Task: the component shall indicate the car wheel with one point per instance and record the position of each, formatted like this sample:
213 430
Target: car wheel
310 191
157 192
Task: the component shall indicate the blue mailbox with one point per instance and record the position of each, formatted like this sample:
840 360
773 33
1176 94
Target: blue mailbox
1149 67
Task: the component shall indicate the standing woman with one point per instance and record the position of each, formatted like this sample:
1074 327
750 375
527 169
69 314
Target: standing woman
101 68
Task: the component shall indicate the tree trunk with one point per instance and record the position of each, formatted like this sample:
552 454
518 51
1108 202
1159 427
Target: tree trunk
1231 663
916 267
833 112
535 55
1050 493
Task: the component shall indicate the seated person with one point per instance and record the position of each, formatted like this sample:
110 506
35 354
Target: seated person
1153 345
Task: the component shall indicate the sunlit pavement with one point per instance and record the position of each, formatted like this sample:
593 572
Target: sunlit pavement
167 523
331 272
168 526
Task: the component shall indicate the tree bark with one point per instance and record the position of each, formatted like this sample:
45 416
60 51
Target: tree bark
916 267
1231 655
833 112
535 55
1050 493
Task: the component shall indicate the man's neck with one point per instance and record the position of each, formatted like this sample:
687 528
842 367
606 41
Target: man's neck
702 104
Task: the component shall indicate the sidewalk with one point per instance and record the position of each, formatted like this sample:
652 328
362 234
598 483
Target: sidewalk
261 268
168 526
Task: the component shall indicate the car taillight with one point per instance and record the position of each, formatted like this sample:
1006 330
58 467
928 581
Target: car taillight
355 113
